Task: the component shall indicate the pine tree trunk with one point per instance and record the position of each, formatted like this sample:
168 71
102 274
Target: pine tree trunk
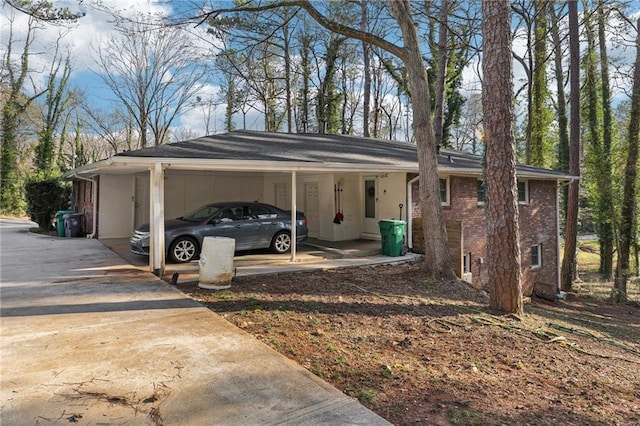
569 272
503 248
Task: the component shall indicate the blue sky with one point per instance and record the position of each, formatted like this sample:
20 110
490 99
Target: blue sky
96 26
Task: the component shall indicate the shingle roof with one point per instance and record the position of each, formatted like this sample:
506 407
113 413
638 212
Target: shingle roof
286 147
319 149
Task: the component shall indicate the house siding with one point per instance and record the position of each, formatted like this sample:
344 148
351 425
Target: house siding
537 225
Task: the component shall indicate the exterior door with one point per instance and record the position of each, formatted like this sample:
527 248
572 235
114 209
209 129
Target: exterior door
312 209
141 206
370 207
281 196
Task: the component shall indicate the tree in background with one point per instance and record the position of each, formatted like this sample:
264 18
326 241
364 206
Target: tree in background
569 271
55 108
14 77
596 107
155 72
629 201
503 247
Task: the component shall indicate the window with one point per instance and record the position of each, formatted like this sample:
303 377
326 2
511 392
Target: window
466 261
523 191
444 191
482 192
536 256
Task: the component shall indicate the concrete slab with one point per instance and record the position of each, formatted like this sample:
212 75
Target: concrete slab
88 338
312 255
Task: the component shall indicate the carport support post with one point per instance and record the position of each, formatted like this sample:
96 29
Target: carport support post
156 191
294 214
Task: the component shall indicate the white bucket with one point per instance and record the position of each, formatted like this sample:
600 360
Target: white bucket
216 263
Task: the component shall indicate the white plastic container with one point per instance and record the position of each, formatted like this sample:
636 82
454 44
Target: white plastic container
216 263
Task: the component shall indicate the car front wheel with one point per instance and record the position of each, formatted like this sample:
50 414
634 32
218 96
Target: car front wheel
183 250
281 243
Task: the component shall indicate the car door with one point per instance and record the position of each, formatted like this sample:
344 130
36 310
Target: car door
266 224
230 223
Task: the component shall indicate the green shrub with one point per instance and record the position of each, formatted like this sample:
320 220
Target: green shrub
45 196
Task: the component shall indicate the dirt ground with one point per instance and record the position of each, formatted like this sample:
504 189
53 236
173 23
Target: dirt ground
420 352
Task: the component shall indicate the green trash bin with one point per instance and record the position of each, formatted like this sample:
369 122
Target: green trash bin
60 221
392 233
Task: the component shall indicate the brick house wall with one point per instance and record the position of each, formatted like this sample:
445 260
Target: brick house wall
82 203
537 226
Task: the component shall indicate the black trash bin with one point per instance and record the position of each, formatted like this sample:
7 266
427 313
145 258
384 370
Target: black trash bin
73 225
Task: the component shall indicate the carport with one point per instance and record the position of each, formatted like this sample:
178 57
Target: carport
276 160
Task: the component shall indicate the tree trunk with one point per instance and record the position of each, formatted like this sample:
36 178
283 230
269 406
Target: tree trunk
437 257
606 185
563 132
630 182
503 247
438 125
569 271
287 75
366 64
540 118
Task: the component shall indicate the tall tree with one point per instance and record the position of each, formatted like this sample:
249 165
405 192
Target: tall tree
154 73
540 148
598 135
438 123
606 205
629 213
366 65
54 109
568 272
561 104
14 76
503 247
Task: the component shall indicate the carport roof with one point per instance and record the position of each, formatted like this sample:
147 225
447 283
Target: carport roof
285 152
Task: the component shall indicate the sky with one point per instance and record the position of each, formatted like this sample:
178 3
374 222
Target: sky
96 26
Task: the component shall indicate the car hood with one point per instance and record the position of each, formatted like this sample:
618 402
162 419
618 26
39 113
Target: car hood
169 225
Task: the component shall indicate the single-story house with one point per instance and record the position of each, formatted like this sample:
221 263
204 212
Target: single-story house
366 179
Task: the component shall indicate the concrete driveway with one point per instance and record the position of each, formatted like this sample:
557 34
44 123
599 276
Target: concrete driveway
87 338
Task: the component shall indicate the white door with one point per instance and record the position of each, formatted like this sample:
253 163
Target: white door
141 205
312 209
282 200
370 206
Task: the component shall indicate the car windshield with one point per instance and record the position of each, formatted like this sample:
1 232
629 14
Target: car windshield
201 213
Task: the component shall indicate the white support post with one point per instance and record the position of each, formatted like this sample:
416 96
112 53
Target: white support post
156 191
294 214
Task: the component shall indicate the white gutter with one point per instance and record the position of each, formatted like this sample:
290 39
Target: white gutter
94 204
410 211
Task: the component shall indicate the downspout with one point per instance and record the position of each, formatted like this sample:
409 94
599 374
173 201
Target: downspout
94 204
410 211
558 271
294 215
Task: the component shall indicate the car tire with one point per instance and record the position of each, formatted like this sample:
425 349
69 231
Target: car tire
281 242
183 250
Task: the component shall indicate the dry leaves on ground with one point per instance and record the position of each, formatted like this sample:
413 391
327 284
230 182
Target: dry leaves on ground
423 352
